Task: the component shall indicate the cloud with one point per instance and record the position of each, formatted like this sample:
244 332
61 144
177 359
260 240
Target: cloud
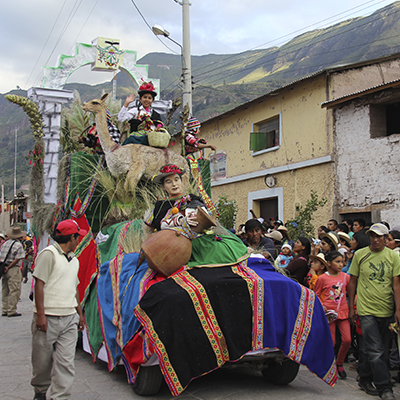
222 27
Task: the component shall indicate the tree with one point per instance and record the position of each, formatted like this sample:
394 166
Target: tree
301 225
227 210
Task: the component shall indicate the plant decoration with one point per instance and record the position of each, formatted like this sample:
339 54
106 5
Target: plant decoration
227 210
74 122
36 156
302 225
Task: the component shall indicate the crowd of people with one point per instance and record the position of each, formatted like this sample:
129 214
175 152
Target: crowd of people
354 269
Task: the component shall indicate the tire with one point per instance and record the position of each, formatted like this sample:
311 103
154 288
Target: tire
281 373
148 381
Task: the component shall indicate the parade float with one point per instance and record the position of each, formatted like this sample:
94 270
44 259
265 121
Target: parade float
216 307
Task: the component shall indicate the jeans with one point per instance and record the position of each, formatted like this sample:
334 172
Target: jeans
376 345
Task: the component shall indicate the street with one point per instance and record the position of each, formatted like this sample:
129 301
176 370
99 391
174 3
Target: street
93 382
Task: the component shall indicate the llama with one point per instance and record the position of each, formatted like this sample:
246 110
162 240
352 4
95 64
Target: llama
135 160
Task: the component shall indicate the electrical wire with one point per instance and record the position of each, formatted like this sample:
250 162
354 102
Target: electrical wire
45 44
148 25
65 27
243 54
272 60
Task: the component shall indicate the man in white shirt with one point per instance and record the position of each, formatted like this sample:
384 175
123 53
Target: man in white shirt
57 314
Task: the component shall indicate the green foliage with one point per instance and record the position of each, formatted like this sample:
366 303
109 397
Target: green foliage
227 210
74 122
302 225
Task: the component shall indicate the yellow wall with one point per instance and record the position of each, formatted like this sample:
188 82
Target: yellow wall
306 135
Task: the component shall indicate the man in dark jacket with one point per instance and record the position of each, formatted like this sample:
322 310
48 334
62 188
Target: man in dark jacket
255 239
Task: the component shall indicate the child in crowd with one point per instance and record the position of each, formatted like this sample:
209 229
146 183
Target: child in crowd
331 288
285 256
344 243
142 117
192 142
318 267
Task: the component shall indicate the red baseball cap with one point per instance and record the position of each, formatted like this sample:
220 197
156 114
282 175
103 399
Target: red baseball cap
69 227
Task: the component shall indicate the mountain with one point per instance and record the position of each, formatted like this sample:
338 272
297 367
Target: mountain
224 81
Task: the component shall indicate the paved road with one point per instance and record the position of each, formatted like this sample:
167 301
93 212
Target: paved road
93 382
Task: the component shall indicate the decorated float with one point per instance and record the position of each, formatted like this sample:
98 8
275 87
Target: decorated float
170 296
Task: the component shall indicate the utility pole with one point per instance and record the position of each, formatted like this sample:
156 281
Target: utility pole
186 57
15 163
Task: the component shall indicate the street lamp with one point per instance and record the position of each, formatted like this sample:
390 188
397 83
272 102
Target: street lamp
185 49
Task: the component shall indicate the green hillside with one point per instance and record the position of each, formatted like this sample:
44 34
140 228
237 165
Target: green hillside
223 81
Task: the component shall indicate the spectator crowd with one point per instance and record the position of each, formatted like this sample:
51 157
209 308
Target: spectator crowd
354 269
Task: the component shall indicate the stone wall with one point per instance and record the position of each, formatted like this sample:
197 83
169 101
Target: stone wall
367 168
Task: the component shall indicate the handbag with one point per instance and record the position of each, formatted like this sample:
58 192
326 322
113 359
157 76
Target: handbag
3 263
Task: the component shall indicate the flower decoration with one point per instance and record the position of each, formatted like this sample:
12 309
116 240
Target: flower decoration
36 157
170 169
147 86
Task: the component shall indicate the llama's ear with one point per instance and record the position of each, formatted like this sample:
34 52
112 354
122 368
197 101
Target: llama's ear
105 95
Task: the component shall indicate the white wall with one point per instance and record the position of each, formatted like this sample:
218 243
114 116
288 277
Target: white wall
367 170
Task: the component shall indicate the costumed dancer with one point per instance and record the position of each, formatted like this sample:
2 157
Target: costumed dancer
91 139
192 142
179 212
142 117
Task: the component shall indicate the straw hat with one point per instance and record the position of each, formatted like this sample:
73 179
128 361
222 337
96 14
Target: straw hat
320 257
332 237
15 232
345 236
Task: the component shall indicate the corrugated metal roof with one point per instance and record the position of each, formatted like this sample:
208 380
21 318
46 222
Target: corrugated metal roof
327 70
364 92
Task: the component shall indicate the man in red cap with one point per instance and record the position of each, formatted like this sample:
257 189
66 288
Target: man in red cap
57 314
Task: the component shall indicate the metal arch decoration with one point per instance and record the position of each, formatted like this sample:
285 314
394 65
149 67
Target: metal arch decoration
86 54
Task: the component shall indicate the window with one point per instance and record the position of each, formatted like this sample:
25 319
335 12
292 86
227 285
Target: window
384 119
266 135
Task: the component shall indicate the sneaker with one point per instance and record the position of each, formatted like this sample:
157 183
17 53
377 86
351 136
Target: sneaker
368 388
40 396
25 280
15 315
387 395
341 372
4 314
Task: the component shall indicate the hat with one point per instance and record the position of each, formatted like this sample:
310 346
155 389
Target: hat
333 238
147 87
166 170
275 235
287 245
320 257
69 227
282 228
278 222
193 124
15 232
379 229
344 236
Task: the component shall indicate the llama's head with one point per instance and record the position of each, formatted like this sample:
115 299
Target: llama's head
96 105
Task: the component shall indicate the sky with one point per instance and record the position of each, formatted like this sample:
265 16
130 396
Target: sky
34 33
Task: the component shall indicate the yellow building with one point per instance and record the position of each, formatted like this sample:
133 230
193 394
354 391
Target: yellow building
272 151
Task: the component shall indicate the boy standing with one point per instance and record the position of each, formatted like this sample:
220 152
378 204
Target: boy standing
57 314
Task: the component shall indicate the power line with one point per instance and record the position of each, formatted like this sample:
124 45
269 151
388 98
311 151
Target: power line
47 40
243 54
145 21
272 60
66 25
